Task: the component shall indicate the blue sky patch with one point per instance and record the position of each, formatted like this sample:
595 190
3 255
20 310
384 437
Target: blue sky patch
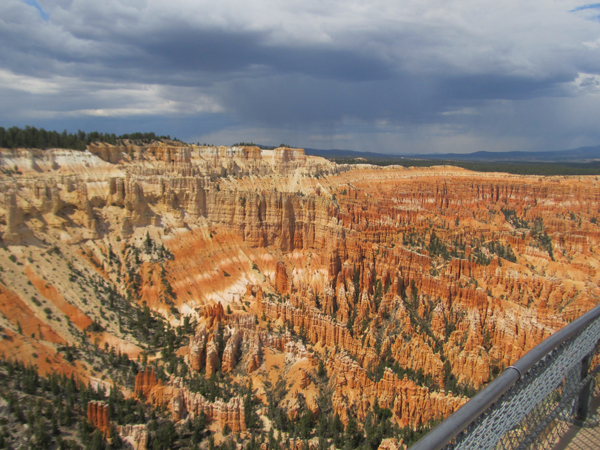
43 13
584 7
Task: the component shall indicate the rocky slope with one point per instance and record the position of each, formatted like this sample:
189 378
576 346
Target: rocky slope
270 290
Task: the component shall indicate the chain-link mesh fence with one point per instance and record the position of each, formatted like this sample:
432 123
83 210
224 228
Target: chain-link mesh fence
539 409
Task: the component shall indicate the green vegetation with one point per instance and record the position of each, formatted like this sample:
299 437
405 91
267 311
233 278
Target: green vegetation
511 216
519 168
31 137
542 239
273 147
437 247
493 248
502 251
54 408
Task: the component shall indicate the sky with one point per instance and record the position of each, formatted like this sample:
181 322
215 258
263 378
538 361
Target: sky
388 76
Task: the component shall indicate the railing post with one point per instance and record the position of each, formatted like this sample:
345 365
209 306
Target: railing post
585 396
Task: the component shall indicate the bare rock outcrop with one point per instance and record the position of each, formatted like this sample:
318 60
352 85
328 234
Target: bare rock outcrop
134 435
145 381
212 358
281 278
230 353
13 219
197 350
97 415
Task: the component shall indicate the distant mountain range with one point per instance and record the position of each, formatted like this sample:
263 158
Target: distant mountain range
582 154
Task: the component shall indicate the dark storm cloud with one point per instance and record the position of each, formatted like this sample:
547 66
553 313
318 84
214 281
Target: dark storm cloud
413 70
493 86
173 53
304 99
405 98
224 52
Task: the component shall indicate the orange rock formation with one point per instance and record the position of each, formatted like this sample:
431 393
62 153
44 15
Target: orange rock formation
97 415
145 381
412 285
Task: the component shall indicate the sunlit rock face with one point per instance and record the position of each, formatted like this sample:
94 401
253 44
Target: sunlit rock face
405 287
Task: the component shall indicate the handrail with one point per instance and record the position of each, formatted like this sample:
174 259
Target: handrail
465 415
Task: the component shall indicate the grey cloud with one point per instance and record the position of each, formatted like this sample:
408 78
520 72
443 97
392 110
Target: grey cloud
304 99
396 71
505 87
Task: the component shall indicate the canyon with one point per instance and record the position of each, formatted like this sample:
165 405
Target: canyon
267 291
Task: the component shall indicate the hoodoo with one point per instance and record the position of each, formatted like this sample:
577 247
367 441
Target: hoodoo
170 291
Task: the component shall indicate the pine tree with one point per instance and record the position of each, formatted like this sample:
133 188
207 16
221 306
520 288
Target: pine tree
97 442
249 408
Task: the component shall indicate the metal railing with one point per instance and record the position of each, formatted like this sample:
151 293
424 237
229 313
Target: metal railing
533 402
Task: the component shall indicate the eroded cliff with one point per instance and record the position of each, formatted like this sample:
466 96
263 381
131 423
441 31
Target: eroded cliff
245 285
